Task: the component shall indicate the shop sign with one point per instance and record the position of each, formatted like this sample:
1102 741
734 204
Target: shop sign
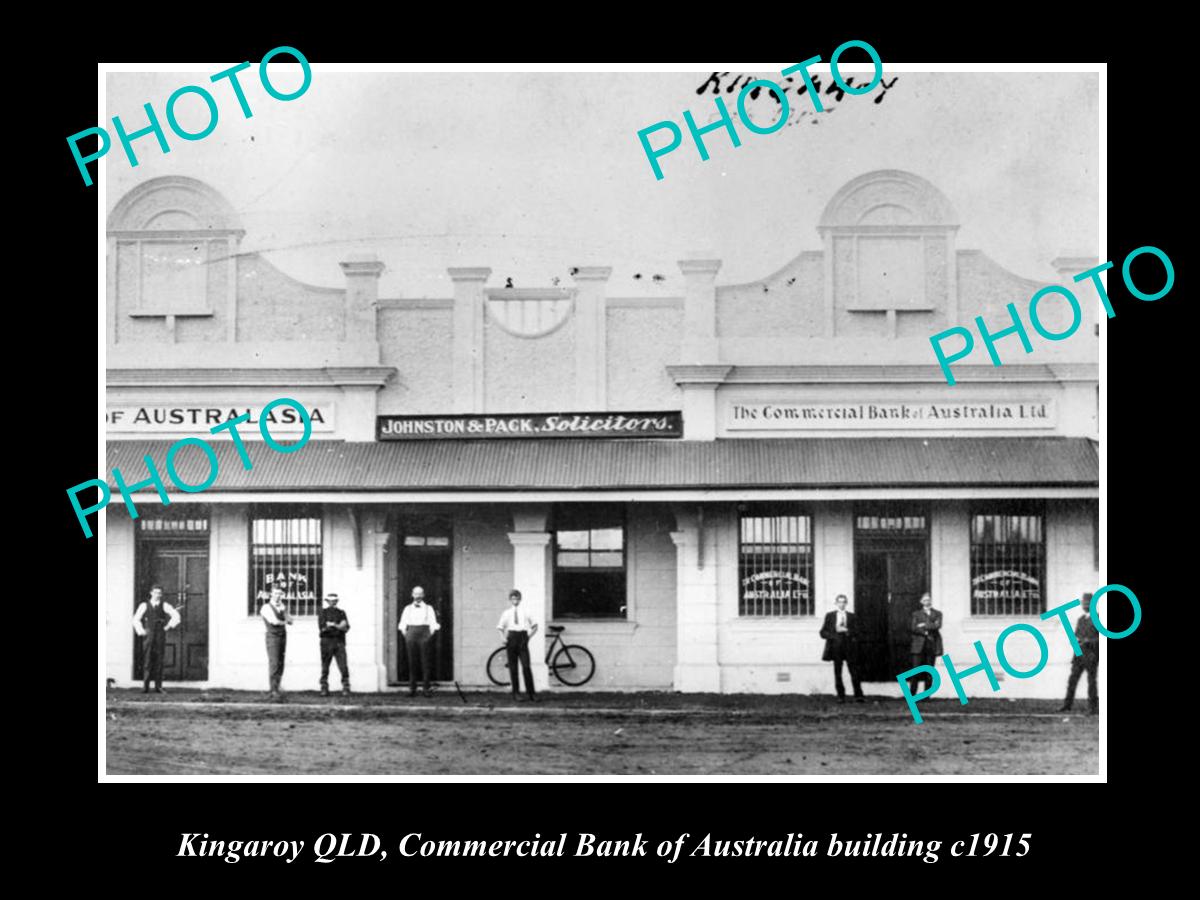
201 417
786 416
531 425
775 585
1005 585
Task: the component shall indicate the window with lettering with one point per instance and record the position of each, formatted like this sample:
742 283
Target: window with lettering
286 550
1008 560
775 562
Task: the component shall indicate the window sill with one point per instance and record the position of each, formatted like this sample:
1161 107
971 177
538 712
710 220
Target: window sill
611 626
988 623
771 623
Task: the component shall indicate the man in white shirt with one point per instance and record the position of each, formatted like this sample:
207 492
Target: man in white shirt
517 628
418 624
275 613
151 621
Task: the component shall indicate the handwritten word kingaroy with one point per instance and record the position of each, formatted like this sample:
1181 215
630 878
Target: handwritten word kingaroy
1018 327
833 90
156 480
725 120
985 664
155 128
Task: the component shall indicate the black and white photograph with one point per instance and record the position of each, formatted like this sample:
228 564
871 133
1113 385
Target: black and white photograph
623 422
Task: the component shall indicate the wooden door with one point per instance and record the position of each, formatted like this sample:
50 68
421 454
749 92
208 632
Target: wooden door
872 610
907 581
182 570
427 560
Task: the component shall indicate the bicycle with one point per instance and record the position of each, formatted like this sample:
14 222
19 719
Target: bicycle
572 664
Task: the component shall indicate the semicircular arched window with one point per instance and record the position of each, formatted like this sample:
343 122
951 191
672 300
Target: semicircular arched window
529 312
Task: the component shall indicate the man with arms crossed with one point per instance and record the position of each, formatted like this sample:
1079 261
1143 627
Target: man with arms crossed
332 625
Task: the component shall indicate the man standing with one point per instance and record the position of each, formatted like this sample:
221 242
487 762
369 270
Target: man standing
418 624
275 614
840 631
1089 643
151 621
517 628
926 640
332 625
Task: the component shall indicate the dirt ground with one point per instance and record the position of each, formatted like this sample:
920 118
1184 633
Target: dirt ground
233 733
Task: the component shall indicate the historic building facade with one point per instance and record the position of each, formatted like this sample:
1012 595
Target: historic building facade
685 483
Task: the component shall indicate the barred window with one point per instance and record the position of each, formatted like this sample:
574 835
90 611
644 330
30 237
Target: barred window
285 549
589 562
775 562
1008 560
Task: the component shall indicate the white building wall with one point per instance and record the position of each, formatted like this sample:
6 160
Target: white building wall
119 583
637 652
783 655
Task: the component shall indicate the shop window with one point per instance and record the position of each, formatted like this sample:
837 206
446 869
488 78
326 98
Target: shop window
589 562
286 549
775 562
1008 560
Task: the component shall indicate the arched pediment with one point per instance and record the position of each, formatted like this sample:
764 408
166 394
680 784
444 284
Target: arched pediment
888 197
173 203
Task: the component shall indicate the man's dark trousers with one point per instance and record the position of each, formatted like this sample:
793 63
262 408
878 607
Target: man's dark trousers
924 658
152 658
276 650
334 648
153 643
837 677
1089 661
517 645
417 640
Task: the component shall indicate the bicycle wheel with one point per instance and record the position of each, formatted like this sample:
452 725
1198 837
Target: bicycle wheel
497 667
573 665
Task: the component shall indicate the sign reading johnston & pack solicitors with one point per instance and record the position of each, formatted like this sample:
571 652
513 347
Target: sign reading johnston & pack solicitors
532 425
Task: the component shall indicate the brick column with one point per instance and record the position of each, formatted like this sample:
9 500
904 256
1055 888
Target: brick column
591 319
699 310
529 577
697 668
362 273
468 337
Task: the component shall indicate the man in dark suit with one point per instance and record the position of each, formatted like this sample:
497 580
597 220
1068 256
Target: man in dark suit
1088 660
926 640
840 631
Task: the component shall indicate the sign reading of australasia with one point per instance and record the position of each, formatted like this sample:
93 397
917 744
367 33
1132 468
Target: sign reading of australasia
532 425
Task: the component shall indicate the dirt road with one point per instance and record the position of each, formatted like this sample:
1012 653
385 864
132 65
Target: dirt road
629 734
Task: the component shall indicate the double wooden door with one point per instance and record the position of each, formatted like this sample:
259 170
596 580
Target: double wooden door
182 570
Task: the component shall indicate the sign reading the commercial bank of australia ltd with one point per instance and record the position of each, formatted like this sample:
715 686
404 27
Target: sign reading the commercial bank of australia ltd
933 414
531 425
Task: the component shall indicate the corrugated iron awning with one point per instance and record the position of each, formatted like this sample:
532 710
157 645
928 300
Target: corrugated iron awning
515 465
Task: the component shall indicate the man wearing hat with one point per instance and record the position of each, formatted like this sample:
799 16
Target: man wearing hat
332 626
151 621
